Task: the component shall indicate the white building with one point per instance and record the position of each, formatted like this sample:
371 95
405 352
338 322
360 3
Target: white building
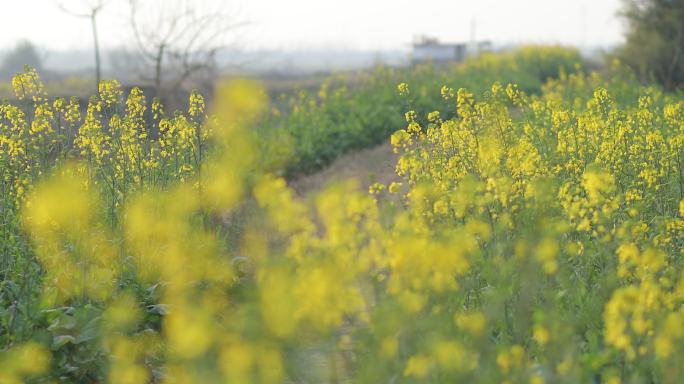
431 49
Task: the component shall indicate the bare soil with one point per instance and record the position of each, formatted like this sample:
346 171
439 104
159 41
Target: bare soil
367 166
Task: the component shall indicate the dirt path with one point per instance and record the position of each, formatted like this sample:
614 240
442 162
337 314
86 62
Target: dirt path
367 166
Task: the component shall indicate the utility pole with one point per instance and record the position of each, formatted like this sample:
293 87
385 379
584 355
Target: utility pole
583 26
91 14
473 38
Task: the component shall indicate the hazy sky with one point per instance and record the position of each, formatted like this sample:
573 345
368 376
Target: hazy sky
348 24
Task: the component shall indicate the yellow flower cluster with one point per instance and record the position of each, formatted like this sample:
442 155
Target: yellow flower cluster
114 136
582 184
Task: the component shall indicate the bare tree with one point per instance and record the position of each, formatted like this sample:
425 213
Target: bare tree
90 11
179 39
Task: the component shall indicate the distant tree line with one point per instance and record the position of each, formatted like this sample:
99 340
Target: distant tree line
654 41
24 53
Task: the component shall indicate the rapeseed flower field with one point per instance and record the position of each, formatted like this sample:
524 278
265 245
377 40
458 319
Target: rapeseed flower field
536 234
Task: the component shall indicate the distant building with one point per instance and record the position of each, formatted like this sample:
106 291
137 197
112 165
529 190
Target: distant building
431 49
